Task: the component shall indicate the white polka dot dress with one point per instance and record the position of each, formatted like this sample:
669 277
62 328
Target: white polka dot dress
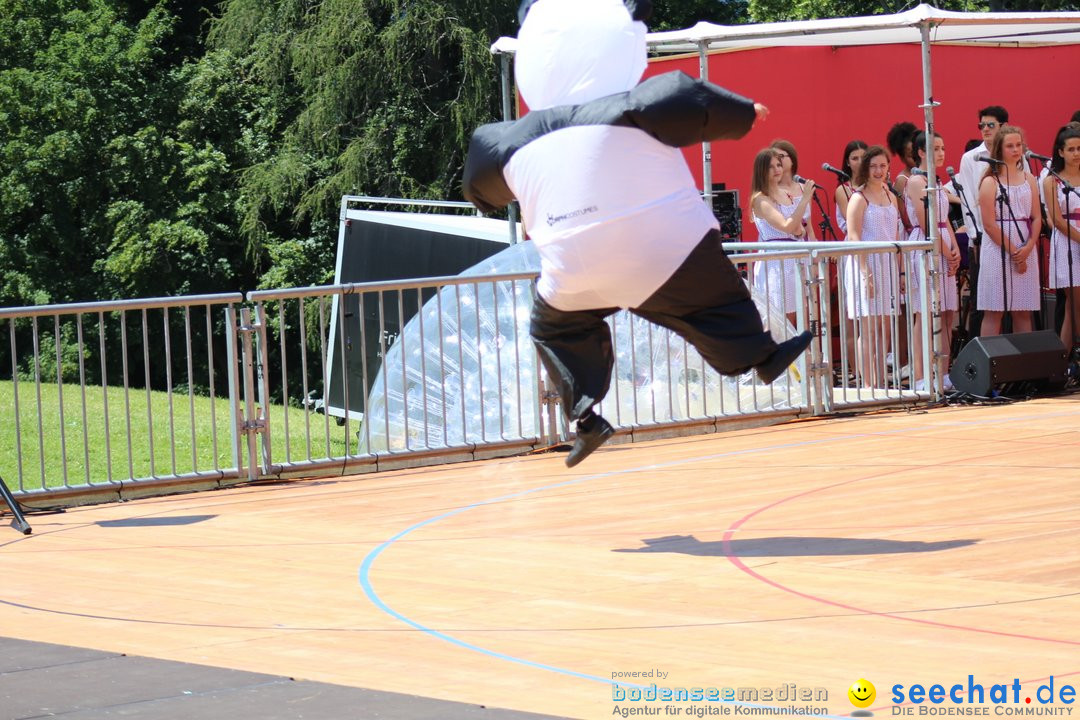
948 297
778 278
1059 244
881 223
1022 288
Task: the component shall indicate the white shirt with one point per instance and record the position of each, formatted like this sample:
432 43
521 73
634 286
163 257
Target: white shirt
613 225
971 172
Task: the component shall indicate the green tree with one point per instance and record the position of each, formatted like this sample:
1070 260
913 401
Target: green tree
687 13
371 97
117 159
110 184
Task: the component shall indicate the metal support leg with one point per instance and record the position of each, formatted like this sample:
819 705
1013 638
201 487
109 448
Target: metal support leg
19 523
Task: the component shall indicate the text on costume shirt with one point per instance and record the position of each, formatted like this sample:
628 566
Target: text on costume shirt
633 194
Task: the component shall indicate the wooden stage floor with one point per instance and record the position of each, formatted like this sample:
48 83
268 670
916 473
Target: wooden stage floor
901 547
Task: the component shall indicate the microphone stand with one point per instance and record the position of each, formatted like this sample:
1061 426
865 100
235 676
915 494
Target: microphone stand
826 229
825 224
974 247
1002 203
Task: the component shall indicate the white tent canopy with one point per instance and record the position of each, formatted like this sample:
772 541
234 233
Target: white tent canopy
985 29
924 25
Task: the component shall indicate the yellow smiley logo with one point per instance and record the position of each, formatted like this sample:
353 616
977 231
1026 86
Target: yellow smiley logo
862 693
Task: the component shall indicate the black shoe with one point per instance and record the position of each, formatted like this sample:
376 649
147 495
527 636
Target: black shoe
786 353
592 431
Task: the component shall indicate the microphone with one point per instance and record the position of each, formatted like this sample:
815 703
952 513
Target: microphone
952 176
988 159
844 177
1029 155
919 171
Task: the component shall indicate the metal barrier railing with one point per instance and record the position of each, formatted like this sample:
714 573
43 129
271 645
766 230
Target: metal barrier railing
107 394
406 367
871 350
360 377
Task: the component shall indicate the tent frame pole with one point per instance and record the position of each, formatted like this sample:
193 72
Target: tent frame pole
706 147
508 114
930 297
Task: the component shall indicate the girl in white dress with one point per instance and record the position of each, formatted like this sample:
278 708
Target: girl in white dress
1066 226
853 155
1010 234
948 251
778 217
789 161
899 142
874 291
852 158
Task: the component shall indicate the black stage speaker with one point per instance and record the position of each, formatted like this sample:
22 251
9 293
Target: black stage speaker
725 206
1038 359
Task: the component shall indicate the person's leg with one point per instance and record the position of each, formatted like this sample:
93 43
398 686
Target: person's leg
1066 332
1061 296
1070 321
706 302
1022 321
884 323
866 341
575 349
948 319
917 353
991 323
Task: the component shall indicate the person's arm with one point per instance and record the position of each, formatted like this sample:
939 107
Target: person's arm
842 198
987 208
916 190
950 250
901 187
856 208
950 194
1024 251
856 211
969 180
1055 213
807 217
768 212
483 183
679 111
801 210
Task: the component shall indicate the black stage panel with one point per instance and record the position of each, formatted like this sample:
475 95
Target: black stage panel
381 246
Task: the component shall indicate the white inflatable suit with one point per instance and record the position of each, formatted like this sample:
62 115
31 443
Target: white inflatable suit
614 215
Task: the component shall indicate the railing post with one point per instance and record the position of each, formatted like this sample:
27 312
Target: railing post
252 421
810 319
236 417
262 372
824 352
547 403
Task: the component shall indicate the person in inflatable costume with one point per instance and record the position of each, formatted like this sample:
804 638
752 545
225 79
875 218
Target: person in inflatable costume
610 203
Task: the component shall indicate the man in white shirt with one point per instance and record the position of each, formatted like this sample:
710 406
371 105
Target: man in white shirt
971 170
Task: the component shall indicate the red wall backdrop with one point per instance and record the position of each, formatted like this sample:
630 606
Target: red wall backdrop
822 97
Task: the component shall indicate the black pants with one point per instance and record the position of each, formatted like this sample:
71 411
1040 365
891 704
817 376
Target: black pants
704 301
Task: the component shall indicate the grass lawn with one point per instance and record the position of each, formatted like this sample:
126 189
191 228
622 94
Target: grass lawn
93 447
